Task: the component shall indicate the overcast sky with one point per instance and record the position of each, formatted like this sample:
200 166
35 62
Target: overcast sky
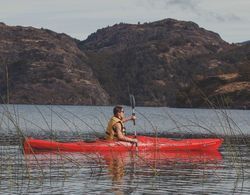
80 18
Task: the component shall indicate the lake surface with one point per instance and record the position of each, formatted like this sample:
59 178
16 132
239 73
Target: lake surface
224 172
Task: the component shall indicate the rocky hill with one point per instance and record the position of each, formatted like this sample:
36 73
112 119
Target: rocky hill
38 66
169 63
164 63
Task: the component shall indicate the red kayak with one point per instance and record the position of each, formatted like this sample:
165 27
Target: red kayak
145 143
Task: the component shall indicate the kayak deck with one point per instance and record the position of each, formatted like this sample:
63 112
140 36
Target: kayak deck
145 143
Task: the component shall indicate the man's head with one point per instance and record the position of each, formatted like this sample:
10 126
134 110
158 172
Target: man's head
118 111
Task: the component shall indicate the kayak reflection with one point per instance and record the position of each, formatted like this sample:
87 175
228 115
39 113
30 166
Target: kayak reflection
124 158
151 157
122 166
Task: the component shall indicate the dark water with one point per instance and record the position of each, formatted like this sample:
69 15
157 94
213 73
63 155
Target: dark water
223 172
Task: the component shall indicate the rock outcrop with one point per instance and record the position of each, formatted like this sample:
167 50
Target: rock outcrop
39 66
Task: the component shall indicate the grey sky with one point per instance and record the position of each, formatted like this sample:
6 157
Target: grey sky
80 18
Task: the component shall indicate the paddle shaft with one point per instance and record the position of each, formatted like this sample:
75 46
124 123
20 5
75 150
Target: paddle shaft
133 114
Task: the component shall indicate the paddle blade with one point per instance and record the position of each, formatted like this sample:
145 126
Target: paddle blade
132 101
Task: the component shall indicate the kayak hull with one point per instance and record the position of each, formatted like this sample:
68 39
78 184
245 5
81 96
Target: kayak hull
145 143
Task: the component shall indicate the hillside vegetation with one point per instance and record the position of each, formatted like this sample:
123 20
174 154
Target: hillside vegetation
164 63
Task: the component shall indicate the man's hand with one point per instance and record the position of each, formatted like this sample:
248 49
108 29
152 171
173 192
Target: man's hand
135 141
133 117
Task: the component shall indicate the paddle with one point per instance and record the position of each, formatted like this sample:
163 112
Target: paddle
132 102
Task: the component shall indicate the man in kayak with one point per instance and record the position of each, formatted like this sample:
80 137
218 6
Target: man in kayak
116 129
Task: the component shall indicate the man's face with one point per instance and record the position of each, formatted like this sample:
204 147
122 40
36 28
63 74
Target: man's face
121 114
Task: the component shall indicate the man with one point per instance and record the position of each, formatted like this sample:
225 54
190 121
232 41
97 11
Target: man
116 129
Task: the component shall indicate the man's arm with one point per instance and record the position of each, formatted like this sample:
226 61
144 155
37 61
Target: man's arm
129 118
120 135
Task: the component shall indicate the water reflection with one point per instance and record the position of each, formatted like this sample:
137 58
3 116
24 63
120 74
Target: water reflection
118 164
124 172
120 167
116 169
125 158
